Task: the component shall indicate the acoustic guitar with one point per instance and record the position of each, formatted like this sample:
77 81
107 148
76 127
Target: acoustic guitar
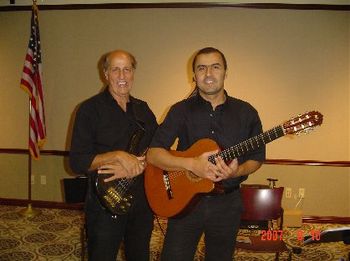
172 193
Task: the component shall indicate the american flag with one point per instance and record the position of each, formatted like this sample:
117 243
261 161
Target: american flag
31 83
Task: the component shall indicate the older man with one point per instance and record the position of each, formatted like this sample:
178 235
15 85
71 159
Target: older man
104 127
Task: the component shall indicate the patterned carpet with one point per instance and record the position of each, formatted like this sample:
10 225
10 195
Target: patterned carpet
56 234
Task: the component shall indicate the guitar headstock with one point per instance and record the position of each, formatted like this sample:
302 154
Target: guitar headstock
303 123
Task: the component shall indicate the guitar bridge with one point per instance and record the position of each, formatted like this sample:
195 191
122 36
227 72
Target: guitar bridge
167 185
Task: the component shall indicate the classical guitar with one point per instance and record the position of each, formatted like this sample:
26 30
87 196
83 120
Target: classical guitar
115 196
172 193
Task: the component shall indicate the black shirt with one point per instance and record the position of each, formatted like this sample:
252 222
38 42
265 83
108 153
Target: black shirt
229 124
102 126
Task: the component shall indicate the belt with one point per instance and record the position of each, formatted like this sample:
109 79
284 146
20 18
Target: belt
231 189
224 192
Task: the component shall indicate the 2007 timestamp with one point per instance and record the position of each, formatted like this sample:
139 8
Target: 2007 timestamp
274 235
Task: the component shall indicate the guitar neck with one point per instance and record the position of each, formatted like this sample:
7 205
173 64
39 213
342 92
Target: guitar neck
248 145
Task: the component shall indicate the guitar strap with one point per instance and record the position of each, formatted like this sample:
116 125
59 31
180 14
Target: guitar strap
138 129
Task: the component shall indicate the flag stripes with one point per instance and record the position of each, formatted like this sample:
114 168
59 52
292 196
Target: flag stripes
31 82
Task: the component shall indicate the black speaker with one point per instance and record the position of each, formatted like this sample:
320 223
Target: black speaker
75 189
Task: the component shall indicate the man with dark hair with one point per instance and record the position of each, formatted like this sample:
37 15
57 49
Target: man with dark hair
104 126
208 113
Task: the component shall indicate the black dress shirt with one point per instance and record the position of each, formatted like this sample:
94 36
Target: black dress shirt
229 124
102 126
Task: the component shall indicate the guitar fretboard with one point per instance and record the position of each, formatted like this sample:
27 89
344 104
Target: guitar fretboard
250 144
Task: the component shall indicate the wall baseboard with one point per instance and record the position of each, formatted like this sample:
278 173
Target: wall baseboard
80 206
326 219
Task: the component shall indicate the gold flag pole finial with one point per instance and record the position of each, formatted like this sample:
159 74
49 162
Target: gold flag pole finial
34 6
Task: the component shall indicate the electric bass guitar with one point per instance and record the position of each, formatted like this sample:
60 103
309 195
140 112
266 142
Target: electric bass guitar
172 193
115 196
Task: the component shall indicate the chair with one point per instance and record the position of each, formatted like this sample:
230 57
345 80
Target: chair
262 213
74 189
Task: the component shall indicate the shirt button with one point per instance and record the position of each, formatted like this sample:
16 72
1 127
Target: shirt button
212 132
211 115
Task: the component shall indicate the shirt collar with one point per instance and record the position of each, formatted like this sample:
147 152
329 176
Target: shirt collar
108 96
204 102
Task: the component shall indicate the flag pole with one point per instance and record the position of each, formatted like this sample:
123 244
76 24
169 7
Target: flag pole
31 83
29 160
29 211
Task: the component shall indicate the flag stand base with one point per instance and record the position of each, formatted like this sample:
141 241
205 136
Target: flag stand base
29 211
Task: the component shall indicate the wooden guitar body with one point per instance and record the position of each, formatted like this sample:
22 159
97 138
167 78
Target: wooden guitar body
184 187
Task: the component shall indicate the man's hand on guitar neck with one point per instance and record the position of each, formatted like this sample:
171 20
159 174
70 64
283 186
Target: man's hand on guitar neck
215 172
226 171
234 170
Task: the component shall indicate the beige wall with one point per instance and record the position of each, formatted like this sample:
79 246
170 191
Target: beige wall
283 62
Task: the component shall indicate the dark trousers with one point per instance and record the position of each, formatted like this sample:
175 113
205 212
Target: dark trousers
105 233
218 217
